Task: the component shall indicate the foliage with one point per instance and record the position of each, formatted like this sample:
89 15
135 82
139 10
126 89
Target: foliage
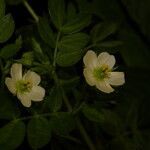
73 114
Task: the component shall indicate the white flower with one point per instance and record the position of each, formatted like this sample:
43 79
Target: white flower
25 86
98 71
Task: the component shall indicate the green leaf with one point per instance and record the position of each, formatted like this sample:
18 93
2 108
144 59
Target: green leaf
8 109
14 2
6 28
57 12
38 51
11 49
112 123
66 59
70 83
100 8
2 8
71 49
45 32
38 132
36 46
85 6
146 137
123 143
92 114
71 11
73 42
62 123
27 58
109 121
133 46
139 12
102 31
54 100
12 135
109 44
76 24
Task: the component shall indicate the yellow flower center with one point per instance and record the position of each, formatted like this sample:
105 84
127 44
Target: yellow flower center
101 73
23 86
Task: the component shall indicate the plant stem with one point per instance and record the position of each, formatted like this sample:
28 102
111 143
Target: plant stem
2 73
85 135
80 126
1 65
73 139
69 107
31 11
66 101
34 116
56 49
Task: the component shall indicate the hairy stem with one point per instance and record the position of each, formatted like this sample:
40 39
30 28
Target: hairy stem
31 11
56 49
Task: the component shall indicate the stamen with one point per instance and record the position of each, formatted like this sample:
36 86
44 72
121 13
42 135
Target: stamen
23 86
102 72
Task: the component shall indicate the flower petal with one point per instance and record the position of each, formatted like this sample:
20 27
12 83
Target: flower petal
117 78
106 59
25 99
37 93
16 71
10 85
89 76
104 87
90 59
32 77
